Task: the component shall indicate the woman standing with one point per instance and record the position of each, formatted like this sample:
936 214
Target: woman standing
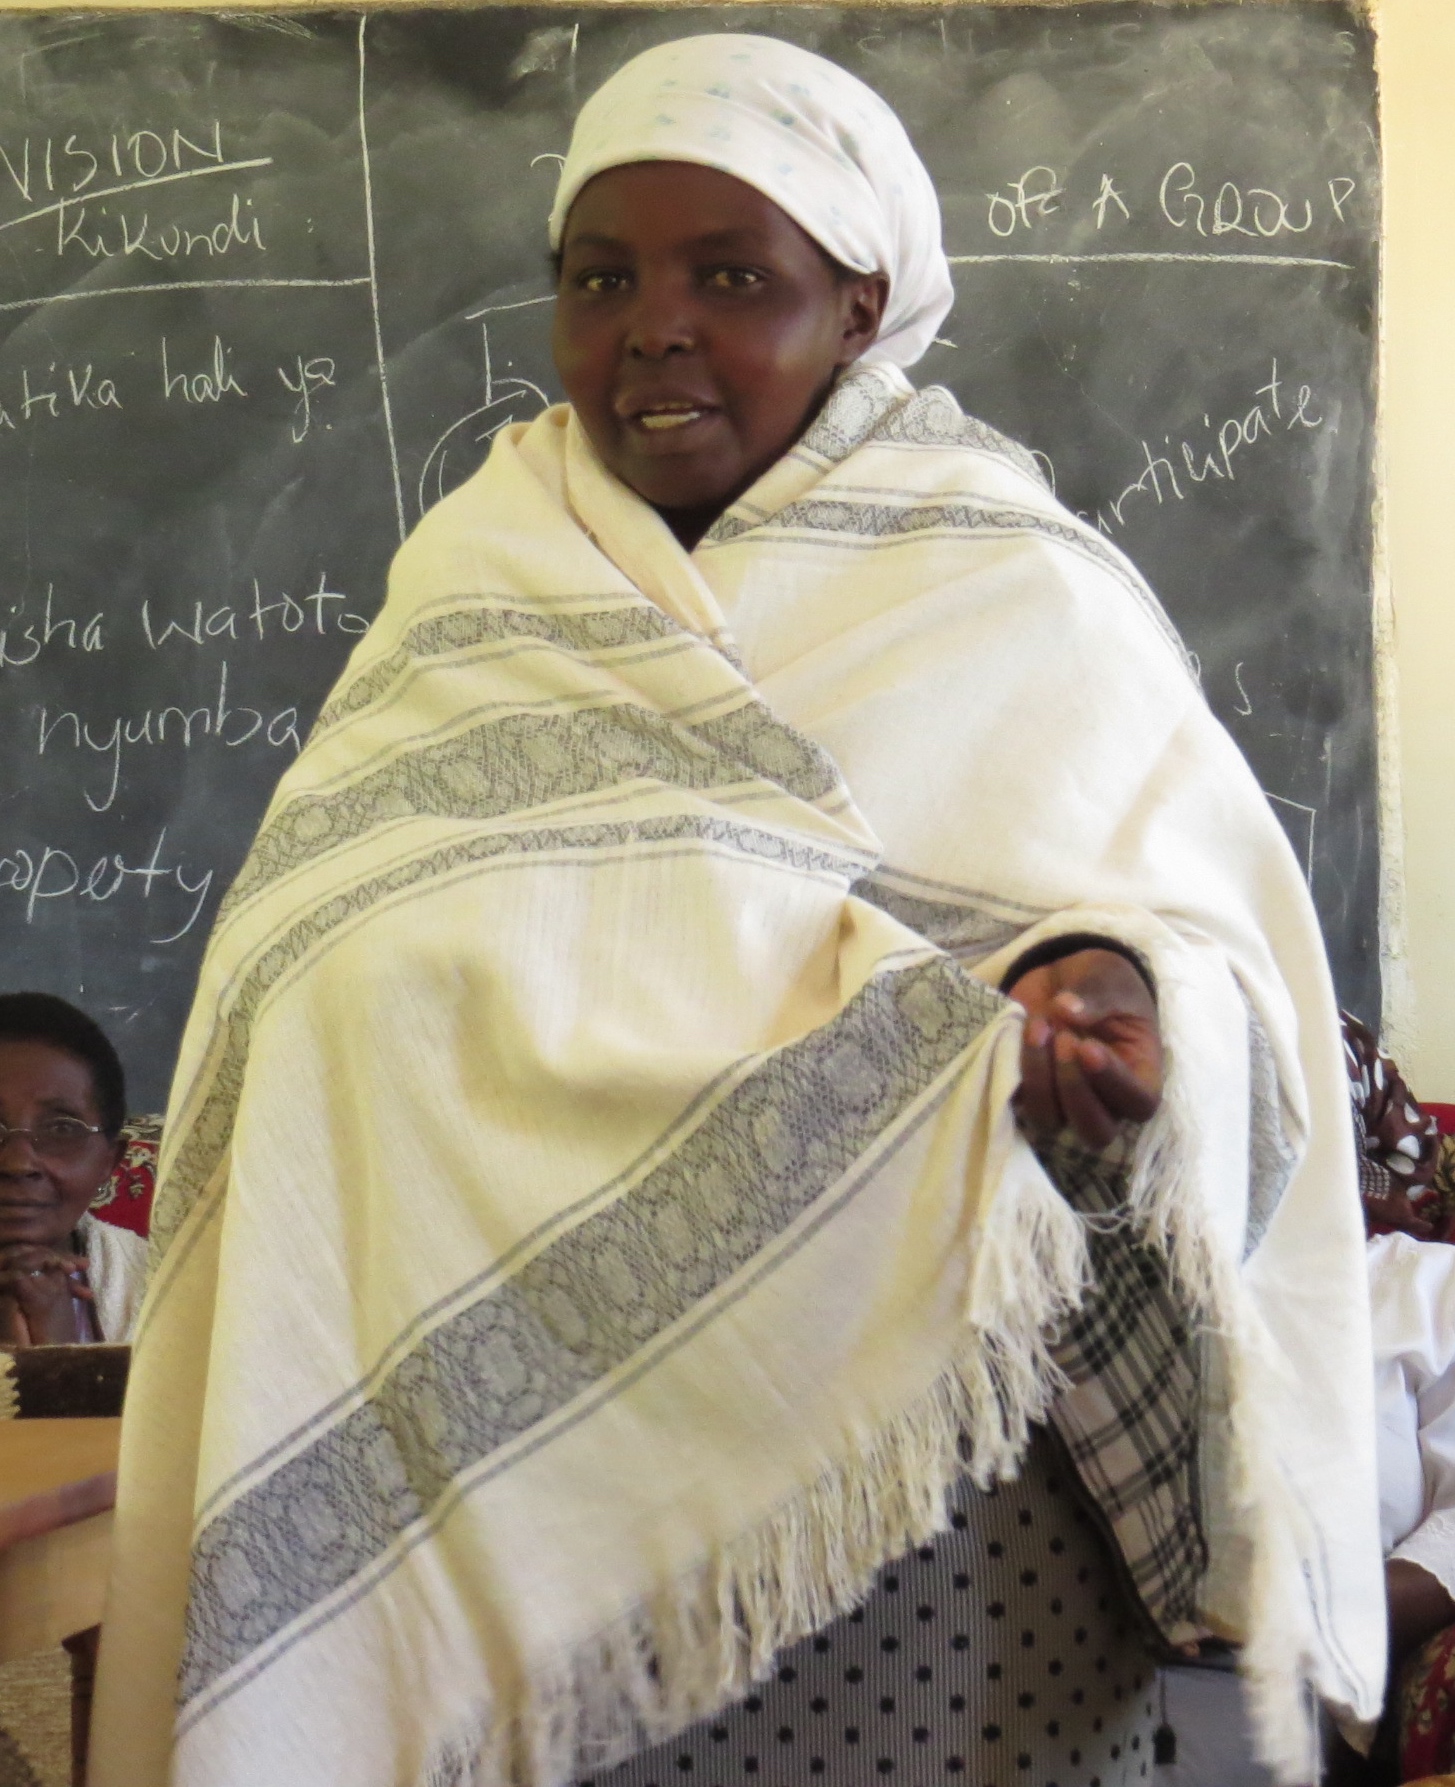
609 1206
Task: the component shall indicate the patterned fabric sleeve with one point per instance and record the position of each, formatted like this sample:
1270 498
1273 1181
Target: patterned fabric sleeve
125 1200
1129 1418
1398 1143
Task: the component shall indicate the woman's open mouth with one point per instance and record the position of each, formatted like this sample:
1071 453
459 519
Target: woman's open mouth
659 419
665 415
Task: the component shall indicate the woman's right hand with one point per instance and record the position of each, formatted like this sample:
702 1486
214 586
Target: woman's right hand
1091 1054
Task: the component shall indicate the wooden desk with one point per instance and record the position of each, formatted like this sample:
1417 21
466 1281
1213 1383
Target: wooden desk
57 1487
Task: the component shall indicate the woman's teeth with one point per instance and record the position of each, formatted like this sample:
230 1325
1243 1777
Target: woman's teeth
667 418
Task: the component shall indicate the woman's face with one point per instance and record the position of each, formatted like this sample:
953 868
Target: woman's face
698 329
42 1197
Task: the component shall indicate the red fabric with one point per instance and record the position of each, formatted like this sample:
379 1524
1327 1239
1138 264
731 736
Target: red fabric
125 1200
1427 1710
1444 1115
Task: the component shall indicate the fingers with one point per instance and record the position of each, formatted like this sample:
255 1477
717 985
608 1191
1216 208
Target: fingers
1037 1105
35 1275
1057 1090
1081 1105
1118 1088
1091 1054
1104 982
1077 1083
1130 1039
13 1331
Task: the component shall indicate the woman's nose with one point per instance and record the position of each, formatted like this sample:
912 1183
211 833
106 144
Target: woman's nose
661 324
17 1154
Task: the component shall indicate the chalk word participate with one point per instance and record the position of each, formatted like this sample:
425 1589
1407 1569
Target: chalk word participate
1213 457
47 874
218 721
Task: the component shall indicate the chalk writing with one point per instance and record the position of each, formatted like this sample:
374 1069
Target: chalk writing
1031 196
44 875
1224 209
211 386
1267 212
53 391
124 233
70 164
1108 196
22 645
314 614
310 375
218 721
1172 475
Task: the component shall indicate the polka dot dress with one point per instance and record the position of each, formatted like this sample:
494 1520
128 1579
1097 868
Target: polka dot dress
1002 1655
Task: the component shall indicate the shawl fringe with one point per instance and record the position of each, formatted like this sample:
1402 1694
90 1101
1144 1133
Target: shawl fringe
684 1655
1278 1656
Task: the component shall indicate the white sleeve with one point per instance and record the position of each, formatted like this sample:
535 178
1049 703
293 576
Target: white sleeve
1432 1546
1415 1303
117 1261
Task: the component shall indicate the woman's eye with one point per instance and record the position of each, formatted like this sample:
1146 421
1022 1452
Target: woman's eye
734 278
602 280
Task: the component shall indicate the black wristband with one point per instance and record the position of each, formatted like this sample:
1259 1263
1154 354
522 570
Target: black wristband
1054 948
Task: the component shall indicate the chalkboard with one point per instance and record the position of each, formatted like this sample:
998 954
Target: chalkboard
268 285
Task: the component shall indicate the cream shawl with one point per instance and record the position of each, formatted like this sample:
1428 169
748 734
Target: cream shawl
590 1208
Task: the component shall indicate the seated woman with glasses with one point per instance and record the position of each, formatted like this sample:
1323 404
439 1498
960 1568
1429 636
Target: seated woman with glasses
64 1276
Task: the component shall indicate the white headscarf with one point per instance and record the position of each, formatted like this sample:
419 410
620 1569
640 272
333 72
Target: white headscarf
824 147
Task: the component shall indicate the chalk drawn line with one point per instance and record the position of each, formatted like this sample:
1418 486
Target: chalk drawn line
519 304
374 295
170 285
1313 816
110 192
1159 257
439 452
495 395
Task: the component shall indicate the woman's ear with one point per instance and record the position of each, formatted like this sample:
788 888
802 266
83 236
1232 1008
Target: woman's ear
118 1149
865 297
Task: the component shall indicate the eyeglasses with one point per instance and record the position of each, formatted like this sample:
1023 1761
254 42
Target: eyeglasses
62 1138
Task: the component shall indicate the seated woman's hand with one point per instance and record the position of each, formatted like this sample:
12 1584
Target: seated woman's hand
1091 1054
38 1286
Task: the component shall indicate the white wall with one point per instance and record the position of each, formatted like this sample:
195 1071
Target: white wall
1417 69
